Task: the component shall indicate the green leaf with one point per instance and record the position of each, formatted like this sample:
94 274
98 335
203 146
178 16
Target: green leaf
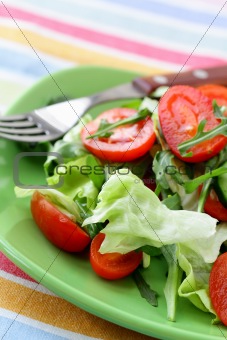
163 166
201 136
195 286
173 279
148 221
219 110
173 202
145 291
94 228
149 250
161 163
193 184
79 178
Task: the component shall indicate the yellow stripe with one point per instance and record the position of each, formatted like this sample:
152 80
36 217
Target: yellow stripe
71 52
59 313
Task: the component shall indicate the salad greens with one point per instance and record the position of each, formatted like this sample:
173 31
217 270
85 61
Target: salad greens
132 216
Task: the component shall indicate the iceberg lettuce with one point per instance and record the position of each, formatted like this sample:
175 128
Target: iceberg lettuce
136 218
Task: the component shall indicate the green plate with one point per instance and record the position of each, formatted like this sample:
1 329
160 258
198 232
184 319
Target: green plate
70 276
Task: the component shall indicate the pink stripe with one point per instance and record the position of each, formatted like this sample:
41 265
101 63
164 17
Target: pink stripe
108 40
9 267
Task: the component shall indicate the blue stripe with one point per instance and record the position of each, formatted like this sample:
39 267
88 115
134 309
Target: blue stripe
193 16
138 25
19 330
27 64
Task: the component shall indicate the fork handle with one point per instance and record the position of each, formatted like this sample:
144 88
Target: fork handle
196 77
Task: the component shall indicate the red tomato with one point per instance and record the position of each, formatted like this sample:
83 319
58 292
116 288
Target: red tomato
112 266
181 109
57 227
127 143
218 287
217 92
214 208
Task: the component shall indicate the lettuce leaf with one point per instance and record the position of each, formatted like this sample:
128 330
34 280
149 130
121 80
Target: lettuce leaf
63 202
136 218
79 179
195 286
148 221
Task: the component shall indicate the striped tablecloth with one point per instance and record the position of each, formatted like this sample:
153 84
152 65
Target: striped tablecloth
38 37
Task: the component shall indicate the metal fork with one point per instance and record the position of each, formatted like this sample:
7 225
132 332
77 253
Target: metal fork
51 122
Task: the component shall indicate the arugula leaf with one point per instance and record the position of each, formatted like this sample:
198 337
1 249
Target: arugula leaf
193 184
219 110
173 202
201 135
94 228
145 291
163 166
105 128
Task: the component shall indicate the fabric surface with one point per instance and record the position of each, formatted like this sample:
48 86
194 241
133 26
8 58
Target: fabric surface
40 37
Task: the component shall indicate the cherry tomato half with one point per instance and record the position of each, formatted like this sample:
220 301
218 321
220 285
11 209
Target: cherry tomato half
214 208
181 109
217 92
218 287
57 227
127 143
112 266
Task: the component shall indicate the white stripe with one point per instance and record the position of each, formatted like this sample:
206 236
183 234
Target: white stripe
43 326
26 283
16 78
203 5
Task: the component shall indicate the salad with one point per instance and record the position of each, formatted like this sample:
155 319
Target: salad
145 180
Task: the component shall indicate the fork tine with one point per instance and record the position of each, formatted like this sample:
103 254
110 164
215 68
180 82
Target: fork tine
26 131
17 124
14 118
29 138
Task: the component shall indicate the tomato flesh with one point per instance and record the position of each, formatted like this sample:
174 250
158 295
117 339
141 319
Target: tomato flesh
127 143
217 92
181 110
218 287
214 208
112 266
56 226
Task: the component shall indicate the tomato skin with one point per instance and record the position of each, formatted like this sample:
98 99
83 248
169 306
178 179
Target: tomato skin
218 287
112 266
214 208
57 227
180 111
126 144
217 92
